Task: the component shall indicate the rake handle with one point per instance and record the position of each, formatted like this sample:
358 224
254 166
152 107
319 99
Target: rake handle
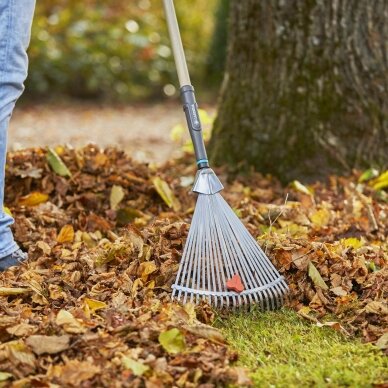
190 106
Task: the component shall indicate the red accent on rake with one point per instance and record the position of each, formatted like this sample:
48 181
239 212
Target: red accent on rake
235 284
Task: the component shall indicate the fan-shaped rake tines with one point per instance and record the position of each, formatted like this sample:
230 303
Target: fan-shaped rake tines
218 248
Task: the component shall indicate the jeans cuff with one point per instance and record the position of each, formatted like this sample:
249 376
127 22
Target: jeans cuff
14 247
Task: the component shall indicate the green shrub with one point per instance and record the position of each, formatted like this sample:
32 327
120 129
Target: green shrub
113 49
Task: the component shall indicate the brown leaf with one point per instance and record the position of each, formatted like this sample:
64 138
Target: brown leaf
69 323
74 372
376 307
41 344
21 330
205 331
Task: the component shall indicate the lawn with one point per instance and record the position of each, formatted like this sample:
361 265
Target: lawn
281 349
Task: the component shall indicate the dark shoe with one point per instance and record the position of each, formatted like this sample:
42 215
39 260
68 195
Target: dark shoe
13 259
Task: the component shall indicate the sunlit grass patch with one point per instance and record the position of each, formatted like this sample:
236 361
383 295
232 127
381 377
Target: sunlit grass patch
282 350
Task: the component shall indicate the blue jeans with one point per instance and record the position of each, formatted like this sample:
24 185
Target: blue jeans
15 29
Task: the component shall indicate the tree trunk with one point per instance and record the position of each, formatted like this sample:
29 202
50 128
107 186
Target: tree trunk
305 88
217 52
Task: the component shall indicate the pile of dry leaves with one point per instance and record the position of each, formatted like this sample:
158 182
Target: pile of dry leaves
105 235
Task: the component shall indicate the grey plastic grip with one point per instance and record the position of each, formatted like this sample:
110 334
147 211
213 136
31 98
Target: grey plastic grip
194 124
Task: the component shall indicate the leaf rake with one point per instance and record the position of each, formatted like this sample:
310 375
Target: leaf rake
221 262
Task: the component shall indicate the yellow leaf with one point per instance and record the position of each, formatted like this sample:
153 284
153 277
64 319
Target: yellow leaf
146 268
177 133
66 234
7 211
316 277
95 305
33 199
5 291
301 188
352 242
381 182
135 286
173 341
116 196
320 218
138 368
166 193
205 117
368 174
60 150
5 376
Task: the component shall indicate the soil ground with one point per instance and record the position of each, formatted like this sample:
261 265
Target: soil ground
142 130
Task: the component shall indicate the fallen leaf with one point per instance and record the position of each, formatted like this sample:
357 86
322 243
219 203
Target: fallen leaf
235 284
69 323
74 372
5 291
316 277
21 330
320 218
382 342
147 268
381 182
300 187
339 291
46 249
205 331
33 199
166 193
368 175
376 307
66 234
334 325
19 353
136 367
7 211
57 164
94 305
5 376
173 341
116 196
352 242
50 344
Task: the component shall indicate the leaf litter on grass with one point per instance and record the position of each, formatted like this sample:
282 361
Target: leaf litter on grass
104 248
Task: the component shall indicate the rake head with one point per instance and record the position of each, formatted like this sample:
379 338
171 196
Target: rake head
218 249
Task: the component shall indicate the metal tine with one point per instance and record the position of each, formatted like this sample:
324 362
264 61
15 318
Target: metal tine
225 255
198 254
243 255
251 244
219 246
210 258
218 265
258 260
186 259
240 256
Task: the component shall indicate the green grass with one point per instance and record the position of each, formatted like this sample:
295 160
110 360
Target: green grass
282 350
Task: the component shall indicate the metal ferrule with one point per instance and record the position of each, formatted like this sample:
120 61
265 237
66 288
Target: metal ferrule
207 182
194 124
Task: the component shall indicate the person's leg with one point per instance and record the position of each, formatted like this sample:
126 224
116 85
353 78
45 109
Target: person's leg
15 27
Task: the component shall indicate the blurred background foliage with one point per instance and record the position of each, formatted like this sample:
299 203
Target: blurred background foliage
120 50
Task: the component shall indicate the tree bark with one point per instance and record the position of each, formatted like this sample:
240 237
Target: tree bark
305 88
